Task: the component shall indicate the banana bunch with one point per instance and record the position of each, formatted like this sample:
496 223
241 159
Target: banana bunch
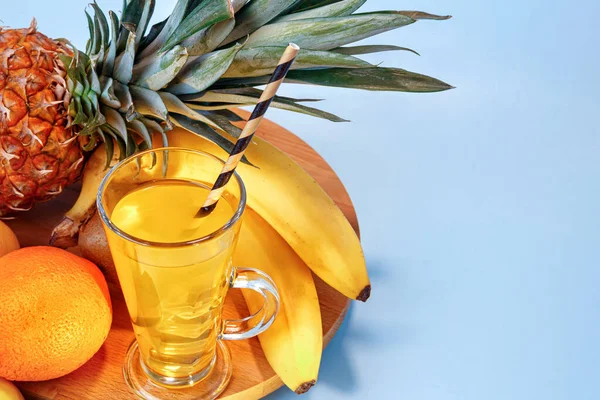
291 227
294 342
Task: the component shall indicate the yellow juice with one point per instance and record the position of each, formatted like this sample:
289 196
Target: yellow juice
174 294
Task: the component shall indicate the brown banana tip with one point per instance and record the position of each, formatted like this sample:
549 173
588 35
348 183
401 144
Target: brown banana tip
65 234
303 388
364 294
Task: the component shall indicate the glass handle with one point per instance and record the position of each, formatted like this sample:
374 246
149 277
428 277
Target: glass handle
253 279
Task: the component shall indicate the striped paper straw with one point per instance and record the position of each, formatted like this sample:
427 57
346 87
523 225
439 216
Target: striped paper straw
256 117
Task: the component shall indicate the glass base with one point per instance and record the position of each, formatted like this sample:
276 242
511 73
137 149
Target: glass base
202 386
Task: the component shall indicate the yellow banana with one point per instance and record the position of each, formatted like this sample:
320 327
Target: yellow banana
65 234
281 192
289 199
293 344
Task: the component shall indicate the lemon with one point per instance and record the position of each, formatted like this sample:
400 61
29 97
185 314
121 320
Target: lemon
8 391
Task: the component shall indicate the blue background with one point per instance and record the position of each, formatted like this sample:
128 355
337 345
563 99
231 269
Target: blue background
481 230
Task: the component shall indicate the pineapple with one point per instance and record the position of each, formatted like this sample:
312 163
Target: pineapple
57 103
40 153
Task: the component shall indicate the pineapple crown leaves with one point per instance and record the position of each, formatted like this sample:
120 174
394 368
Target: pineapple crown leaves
208 56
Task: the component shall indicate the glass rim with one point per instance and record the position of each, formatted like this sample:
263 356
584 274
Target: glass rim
107 221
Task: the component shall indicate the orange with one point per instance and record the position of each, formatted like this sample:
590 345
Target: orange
55 313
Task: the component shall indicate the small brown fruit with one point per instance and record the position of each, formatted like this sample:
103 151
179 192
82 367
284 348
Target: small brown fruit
94 247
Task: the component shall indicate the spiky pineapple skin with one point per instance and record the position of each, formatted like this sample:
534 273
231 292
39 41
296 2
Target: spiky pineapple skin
40 153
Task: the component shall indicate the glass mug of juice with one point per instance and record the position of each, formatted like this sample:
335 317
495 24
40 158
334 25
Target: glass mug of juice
175 269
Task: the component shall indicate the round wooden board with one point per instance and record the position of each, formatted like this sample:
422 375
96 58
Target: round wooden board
253 378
